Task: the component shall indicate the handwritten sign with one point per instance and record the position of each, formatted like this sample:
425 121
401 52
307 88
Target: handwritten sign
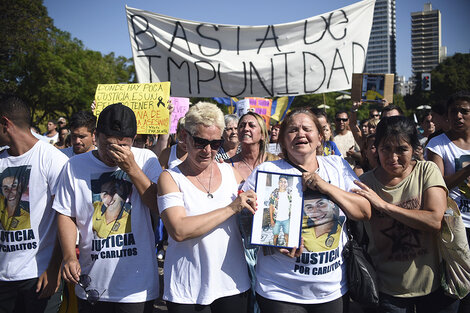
315 55
261 106
180 108
148 101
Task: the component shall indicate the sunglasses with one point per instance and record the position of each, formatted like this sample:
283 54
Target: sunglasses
201 143
338 119
92 295
375 115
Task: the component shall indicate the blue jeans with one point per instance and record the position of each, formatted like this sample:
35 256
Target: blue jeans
281 224
435 302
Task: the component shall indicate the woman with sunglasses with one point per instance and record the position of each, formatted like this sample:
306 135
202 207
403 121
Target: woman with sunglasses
204 267
311 282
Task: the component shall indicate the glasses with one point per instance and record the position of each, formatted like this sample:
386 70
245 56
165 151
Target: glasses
201 143
375 115
338 119
92 295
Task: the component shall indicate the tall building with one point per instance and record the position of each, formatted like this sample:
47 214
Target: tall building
426 50
381 53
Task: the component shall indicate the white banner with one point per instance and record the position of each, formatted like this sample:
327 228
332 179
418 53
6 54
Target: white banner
315 55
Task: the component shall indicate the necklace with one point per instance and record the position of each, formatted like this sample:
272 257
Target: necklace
209 194
251 168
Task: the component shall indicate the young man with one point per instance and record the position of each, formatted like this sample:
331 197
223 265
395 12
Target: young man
108 194
51 135
344 138
29 252
82 132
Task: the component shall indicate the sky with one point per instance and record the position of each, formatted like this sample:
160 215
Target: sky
101 24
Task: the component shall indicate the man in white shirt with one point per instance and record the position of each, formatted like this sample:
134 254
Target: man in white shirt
29 251
117 270
344 138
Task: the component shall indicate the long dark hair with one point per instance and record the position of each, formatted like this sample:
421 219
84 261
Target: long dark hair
398 128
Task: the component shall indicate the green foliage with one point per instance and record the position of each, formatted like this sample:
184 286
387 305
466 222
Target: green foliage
450 76
53 72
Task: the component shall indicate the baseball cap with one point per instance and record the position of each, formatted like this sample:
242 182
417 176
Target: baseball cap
117 120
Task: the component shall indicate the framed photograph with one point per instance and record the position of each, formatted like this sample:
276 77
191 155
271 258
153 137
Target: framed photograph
372 87
277 222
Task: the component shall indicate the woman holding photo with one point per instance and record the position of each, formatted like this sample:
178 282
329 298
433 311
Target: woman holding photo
309 283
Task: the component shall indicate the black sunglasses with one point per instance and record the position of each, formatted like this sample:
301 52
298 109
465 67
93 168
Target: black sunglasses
338 119
201 143
92 295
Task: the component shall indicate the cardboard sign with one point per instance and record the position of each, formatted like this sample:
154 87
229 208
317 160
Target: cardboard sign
314 55
148 101
372 87
180 108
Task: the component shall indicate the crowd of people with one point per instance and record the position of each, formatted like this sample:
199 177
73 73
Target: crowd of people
85 204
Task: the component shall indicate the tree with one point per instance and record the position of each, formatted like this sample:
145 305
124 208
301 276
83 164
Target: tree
450 76
53 72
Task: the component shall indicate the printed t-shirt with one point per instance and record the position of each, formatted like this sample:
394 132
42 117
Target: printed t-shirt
27 237
203 269
122 265
454 159
406 259
319 275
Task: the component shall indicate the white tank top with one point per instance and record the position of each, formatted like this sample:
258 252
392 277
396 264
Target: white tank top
173 160
212 266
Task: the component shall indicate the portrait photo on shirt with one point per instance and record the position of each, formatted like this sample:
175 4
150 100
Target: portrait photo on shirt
460 163
14 198
278 219
322 222
111 193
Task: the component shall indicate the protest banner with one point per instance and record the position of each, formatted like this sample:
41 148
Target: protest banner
180 108
148 101
261 106
314 55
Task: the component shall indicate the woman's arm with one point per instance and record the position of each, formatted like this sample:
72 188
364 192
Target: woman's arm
452 180
182 227
353 205
428 218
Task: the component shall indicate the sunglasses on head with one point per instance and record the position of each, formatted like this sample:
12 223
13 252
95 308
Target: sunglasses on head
201 143
339 119
92 295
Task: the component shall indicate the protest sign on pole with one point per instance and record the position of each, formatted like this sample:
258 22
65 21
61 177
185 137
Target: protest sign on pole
148 101
180 108
314 55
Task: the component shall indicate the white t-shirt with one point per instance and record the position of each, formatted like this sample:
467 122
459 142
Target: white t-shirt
118 254
314 277
27 237
283 207
212 266
52 140
454 159
344 143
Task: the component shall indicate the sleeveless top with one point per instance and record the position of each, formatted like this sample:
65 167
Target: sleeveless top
173 160
212 266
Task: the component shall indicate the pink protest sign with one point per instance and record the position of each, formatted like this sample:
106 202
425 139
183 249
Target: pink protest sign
181 106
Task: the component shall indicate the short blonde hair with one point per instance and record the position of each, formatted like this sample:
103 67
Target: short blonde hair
204 113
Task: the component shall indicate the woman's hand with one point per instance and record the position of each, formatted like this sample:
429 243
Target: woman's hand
245 200
377 202
294 252
312 181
